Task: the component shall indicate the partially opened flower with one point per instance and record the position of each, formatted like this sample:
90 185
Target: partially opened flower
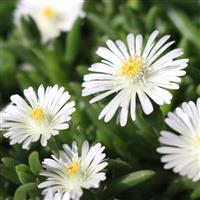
51 16
182 149
70 173
127 72
40 115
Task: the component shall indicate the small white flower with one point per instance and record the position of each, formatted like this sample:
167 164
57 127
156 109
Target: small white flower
51 16
39 115
182 150
134 71
70 173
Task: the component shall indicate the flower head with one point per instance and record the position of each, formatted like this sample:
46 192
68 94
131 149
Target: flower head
182 149
51 16
70 173
40 115
134 71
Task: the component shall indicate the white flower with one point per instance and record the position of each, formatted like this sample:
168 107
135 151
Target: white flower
39 115
134 71
1 117
51 16
182 150
70 173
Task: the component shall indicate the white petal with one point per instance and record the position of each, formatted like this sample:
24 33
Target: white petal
145 102
138 44
131 44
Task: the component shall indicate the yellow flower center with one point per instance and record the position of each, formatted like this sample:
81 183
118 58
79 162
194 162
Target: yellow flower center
48 12
131 66
198 141
73 168
37 113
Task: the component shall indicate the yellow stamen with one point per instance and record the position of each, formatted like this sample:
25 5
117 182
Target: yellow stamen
37 113
73 168
48 12
131 66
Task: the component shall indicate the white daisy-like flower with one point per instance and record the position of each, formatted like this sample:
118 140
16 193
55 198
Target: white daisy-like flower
51 17
40 115
182 149
70 173
134 71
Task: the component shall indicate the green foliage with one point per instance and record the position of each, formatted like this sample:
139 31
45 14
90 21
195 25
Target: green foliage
24 174
73 43
128 181
8 174
25 61
34 163
24 190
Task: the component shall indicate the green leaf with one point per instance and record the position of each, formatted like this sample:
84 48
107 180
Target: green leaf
179 185
53 146
7 68
155 119
128 181
196 193
22 191
81 70
34 162
101 24
30 30
25 177
122 149
148 127
151 17
3 194
53 67
24 173
73 42
194 73
8 174
198 90
9 162
165 109
24 80
117 163
134 4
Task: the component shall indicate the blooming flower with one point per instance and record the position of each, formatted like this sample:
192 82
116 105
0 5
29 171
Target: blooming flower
182 150
51 16
134 72
70 173
41 115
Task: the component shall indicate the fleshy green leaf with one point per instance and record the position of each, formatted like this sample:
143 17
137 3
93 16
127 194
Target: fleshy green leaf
117 163
34 162
22 191
9 162
128 181
24 173
8 174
